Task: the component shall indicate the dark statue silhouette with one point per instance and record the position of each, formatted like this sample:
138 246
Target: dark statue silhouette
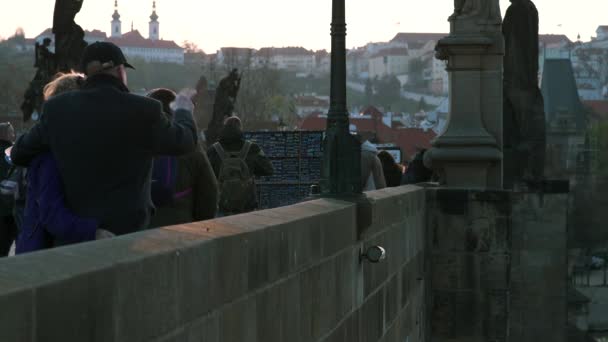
69 45
524 116
223 107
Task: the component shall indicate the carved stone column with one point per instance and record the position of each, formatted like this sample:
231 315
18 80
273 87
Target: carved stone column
468 153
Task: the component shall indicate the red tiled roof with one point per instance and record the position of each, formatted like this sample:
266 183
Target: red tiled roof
599 109
135 39
407 37
409 140
310 101
553 38
285 51
237 50
391 52
96 34
373 111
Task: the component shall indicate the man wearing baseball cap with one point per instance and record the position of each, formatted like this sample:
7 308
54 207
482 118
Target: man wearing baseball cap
104 140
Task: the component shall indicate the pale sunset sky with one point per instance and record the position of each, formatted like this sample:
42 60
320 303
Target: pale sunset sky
258 23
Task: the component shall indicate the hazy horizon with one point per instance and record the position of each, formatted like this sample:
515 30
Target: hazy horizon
277 23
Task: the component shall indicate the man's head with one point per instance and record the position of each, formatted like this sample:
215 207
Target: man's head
233 123
107 58
165 96
46 42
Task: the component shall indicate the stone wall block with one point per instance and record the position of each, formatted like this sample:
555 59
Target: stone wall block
388 206
456 315
326 315
347 331
146 295
278 312
451 233
338 231
205 329
347 276
455 271
494 271
372 318
496 321
199 272
232 265
238 321
396 247
304 243
391 300
17 316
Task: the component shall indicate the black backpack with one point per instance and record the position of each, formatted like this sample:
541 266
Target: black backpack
236 182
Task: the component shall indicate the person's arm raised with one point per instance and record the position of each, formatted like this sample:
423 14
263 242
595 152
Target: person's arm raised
176 137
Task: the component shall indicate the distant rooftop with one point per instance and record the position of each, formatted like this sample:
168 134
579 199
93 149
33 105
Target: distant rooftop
135 39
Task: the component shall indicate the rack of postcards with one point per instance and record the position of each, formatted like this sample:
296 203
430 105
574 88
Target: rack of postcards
296 157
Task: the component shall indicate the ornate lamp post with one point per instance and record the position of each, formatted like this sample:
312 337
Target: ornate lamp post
342 152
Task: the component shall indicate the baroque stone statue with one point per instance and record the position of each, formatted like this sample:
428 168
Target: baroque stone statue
223 107
46 68
69 36
484 11
523 112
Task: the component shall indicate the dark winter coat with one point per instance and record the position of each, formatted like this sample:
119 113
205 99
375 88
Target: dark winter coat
416 171
104 140
47 221
259 165
198 186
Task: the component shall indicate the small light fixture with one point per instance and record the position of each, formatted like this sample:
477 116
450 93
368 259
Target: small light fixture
374 254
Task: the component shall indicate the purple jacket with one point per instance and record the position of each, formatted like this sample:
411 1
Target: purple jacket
46 220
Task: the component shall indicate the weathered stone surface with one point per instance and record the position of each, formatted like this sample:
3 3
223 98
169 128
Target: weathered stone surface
375 274
205 329
538 272
146 296
391 300
372 320
198 270
17 316
291 274
238 321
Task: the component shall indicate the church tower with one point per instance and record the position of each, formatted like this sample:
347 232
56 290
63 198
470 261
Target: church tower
116 24
153 33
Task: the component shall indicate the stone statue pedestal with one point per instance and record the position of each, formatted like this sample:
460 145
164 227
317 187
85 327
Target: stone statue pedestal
468 154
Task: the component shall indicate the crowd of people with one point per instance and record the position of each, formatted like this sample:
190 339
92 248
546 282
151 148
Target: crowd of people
380 170
103 162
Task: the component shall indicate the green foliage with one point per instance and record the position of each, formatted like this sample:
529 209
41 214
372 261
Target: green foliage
16 71
150 75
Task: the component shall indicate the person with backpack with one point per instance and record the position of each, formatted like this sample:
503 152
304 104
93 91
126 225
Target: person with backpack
236 162
184 188
8 228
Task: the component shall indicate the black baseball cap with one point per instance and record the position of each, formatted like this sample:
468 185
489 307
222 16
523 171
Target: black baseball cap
107 54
